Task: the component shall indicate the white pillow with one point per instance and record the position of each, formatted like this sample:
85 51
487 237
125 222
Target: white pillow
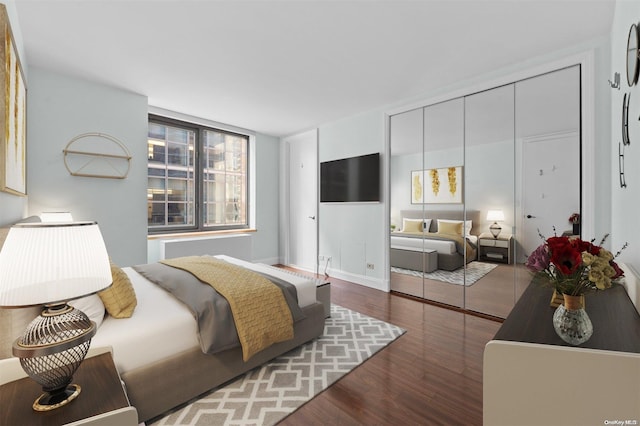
466 230
92 306
413 225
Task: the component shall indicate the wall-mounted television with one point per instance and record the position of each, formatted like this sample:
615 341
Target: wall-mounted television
354 179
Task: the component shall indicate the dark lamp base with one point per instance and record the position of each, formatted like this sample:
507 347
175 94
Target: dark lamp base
56 399
495 229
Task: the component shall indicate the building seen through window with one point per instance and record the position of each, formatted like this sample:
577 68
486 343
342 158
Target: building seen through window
197 177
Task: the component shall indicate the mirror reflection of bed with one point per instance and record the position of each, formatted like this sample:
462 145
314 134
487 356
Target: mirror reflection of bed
434 255
428 253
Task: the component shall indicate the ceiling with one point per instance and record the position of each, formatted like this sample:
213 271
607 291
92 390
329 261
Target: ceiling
280 67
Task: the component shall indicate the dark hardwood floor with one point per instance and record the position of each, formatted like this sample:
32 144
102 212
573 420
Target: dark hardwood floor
429 376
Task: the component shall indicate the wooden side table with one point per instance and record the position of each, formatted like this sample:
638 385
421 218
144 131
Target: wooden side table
102 401
495 249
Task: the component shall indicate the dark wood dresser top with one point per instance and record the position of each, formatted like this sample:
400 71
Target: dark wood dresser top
616 323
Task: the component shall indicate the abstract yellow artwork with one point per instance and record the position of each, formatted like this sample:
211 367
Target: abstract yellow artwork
13 143
437 186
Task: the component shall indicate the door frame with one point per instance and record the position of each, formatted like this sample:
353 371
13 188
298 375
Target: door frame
285 216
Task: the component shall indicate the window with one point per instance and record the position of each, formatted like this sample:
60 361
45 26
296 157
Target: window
197 177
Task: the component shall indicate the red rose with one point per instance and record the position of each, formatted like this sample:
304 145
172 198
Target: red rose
587 246
555 243
619 272
566 258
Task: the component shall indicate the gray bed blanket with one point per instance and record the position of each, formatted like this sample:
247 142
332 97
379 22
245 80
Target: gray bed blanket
216 328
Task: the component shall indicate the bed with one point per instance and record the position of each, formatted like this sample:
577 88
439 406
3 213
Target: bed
159 352
411 248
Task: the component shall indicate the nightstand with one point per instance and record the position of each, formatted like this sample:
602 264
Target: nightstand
495 249
102 401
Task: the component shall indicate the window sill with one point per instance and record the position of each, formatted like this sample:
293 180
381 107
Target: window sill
177 235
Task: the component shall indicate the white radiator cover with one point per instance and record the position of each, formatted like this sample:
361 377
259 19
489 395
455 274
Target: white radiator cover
236 245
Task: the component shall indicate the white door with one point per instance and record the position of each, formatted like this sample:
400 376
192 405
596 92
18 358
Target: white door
303 200
550 187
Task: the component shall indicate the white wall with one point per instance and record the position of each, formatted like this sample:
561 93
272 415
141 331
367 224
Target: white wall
60 108
624 202
14 207
353 234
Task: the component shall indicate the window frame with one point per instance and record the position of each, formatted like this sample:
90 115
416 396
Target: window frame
199 187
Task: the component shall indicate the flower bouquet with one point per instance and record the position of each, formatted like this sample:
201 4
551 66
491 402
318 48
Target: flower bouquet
574 219
573 267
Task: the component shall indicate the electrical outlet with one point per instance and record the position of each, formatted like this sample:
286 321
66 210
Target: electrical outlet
370 266
320 258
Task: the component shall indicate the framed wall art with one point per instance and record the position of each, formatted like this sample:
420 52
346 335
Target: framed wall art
437 186
13 111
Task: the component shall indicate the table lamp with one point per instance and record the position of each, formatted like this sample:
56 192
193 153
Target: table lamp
49 264
495 216
56 217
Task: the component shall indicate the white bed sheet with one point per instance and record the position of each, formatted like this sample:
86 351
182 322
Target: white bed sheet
160 326
418 244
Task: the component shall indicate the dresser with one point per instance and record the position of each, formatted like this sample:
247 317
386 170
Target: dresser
532 377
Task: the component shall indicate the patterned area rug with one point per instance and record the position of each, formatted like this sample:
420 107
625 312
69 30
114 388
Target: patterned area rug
475 271
267 394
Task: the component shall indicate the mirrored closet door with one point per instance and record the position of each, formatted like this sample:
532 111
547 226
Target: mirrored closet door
548 161
406 254
474 181
442 202
490 191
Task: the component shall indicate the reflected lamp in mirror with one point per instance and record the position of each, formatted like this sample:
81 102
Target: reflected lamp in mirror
495 216
49 264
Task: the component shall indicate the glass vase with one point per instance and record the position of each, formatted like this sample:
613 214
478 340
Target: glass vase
571 321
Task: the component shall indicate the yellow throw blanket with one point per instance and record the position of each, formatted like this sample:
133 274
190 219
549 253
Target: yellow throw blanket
260 311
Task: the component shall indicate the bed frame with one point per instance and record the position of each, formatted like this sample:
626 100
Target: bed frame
156 388
448 262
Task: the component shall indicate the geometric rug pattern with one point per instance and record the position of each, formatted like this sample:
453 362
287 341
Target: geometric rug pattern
474 271
269 393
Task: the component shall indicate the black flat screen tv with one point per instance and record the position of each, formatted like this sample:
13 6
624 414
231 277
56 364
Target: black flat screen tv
355 179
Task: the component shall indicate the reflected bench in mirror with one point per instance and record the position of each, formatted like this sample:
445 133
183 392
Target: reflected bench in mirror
406 250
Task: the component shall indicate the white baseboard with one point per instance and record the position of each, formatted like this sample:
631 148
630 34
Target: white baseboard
376 283
268 261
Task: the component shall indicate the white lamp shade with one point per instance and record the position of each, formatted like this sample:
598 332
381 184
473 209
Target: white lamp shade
495 215
56 217
46 263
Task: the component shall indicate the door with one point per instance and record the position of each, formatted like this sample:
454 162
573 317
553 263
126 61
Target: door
551 186
303 200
